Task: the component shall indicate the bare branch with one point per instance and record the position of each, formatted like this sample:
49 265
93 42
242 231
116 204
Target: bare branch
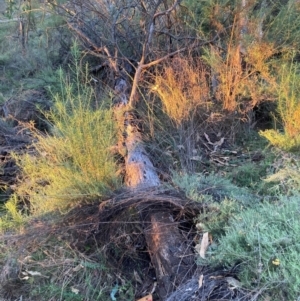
176 52
104 49
166 12
84 37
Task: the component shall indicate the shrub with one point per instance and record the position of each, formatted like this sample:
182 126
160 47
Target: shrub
264 242
288 109
183 90
249 175
200 187
28 62
284 174
182 87
74 162
222 200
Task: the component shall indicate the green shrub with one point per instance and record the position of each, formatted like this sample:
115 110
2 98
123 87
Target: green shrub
74 162
46 45
285 176
250 175
264 242
282 140
203 188
288 109
222 200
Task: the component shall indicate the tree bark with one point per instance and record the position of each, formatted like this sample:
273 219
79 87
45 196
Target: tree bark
170 253
139 170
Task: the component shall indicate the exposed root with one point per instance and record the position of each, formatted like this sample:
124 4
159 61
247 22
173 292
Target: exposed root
119 231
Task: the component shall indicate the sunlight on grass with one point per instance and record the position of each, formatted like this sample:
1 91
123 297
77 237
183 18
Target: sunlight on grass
182 87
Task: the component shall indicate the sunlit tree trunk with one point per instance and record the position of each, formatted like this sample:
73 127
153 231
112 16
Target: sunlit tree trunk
139 170
171 256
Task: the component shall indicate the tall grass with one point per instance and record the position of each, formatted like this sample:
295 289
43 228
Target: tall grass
182 87
241 82
74 161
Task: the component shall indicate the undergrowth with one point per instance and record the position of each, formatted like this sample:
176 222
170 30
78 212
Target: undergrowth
211 96
30 56
288 109
51 269
264 243
222 200
285 176
72 163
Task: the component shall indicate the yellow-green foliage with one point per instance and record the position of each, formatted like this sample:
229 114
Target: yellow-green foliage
285 176
238 87
75 161
14 214
289 110
282 140
248 36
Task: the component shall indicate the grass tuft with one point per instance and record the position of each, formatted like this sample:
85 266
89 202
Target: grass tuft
182 87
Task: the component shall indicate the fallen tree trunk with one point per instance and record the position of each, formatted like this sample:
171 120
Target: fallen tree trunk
139 170
167 235
170 252
171 255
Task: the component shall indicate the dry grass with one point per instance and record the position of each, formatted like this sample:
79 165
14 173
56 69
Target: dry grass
44 264
184 87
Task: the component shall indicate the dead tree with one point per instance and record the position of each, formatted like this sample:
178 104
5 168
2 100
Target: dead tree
136 35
